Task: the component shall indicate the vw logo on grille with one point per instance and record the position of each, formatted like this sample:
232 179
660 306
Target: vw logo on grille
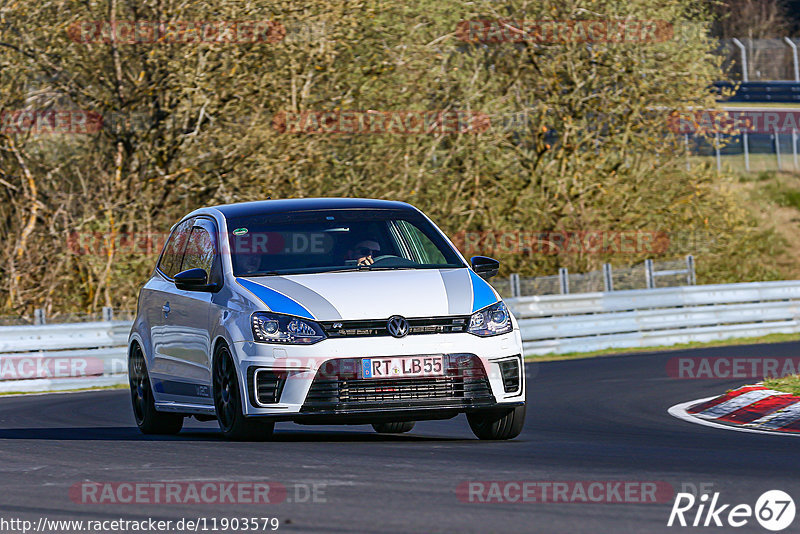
397 326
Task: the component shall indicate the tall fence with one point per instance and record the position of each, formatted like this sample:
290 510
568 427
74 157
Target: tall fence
750 152
759 71
750 60
648 275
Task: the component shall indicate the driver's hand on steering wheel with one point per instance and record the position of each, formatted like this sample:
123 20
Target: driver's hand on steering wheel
365 250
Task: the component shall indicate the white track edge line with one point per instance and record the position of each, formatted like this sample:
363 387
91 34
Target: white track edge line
679 411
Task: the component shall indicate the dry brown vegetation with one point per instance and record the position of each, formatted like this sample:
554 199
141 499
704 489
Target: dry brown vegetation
188 124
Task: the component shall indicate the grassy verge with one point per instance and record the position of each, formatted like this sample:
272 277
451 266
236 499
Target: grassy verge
759 162
118 386
772 338
788 384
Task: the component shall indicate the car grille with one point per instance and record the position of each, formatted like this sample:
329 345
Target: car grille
377 327
338 386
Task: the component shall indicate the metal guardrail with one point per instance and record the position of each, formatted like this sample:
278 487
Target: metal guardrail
762 92
646 318
51 357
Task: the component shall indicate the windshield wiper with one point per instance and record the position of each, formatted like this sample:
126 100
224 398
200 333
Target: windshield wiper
359 268
341 270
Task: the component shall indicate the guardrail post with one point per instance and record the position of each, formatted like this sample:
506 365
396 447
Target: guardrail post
608 281
716 151
563 279
39 318
794 59
648 273
690 267
686 146
743 50
777 145
746 145
108 313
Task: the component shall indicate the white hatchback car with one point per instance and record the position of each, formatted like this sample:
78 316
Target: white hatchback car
322 311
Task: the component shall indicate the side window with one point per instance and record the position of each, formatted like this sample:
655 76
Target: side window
422 248
200 251
173 251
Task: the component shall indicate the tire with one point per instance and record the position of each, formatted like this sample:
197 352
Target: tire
393 428
148 419
497 425
228 402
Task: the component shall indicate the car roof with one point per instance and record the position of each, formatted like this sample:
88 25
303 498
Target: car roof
260 207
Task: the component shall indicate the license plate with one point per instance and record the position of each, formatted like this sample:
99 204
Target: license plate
407 366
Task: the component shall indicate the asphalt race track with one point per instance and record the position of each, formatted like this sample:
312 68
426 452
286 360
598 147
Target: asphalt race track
593 419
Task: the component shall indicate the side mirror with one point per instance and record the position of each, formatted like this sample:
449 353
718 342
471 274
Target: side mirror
193 280
485 267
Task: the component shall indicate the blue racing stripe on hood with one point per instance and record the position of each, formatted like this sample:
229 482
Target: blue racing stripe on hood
277 302
320 307
482 293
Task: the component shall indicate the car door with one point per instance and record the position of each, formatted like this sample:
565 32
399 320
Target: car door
157 298
187 341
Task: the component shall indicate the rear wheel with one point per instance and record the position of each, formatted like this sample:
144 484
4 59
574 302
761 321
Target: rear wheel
228 402
148 419
393 428
505 424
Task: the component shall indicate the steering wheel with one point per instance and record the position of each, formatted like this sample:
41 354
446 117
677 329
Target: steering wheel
392 261
376 259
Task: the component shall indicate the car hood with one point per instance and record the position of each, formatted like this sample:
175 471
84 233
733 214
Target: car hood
373 294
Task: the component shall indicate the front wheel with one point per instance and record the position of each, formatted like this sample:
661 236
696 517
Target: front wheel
147 418
497 424
228 403
393 428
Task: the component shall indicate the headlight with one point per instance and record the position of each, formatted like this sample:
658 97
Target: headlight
276 328
490 321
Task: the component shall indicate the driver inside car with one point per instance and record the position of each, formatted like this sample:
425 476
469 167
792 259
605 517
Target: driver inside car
364 251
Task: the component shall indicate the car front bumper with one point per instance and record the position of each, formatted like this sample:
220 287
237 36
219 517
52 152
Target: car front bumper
293 369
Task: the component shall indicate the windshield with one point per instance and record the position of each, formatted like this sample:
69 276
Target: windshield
336 240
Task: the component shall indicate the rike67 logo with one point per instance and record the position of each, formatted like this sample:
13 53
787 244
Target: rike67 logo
774 510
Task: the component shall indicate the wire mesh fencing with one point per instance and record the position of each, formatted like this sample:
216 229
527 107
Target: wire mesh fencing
648 275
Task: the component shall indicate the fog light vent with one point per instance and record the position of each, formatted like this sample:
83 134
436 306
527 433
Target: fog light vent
510 371
267 386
